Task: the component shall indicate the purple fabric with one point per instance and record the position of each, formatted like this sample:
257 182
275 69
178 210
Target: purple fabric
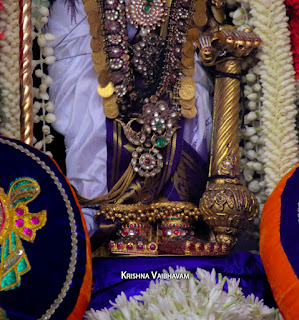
108 283
196 175
289 223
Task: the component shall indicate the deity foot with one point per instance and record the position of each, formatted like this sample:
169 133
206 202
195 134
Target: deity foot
228 208
135 239
178 237
138 235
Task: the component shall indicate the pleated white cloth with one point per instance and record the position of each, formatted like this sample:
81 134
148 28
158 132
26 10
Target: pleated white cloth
79 110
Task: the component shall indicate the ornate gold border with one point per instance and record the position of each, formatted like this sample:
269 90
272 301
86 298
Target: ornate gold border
26 83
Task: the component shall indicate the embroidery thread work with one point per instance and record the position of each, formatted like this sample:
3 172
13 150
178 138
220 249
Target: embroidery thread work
16 223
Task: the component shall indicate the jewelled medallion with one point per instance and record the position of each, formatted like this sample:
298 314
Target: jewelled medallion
16 223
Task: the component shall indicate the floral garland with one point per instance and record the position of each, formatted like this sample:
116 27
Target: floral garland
197 298
9 69
251 143
42 108
275 101
278 111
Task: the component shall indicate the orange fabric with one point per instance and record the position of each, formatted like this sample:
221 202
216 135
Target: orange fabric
283 281
85 291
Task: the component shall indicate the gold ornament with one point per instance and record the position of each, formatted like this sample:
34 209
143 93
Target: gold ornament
188 49
96 44
188 63
187 104
189 114
110 107
200 18
188 72
187 89
90 6
193 34
107 91
93 17
200 5
99 57
104 78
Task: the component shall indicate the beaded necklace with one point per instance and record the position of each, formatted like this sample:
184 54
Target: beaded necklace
142 83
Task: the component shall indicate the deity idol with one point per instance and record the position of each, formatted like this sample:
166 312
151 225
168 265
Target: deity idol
134 105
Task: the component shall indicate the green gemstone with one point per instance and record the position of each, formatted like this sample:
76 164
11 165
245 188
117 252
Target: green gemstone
158 124
153 39
146 8
161 142
172 218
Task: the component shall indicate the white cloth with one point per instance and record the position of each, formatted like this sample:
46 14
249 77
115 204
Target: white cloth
78 107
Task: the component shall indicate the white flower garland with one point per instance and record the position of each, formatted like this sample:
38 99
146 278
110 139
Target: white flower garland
9 69
251 138
188 300
43 108
278 111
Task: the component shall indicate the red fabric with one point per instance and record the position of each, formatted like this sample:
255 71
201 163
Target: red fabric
293 13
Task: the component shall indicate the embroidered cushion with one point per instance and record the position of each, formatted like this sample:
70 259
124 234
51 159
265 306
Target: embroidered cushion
45 252
279 243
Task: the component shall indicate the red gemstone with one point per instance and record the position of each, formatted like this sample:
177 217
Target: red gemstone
28 232
164 233
35 220
176 232
153 246
19 211
124 233
147 161
201 246
191 246
137 233
177 226
210 247
19 223
140 246
131 226
111 244
119 245
219 248
129 246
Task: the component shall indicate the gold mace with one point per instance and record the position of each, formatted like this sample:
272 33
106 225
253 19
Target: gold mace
227 206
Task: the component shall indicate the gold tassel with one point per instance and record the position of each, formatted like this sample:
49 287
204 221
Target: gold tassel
115 193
